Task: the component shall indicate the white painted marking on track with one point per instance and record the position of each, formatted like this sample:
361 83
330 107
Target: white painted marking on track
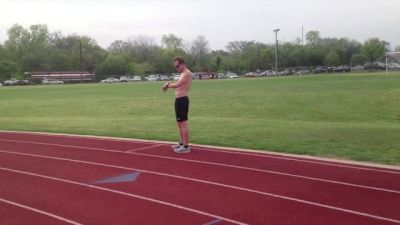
314 161
261 153
148 147
218 184
125 194
273 172
217 164
40 211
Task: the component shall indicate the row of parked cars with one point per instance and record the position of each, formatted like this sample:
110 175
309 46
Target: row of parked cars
175 77
16 82
154 77
300 71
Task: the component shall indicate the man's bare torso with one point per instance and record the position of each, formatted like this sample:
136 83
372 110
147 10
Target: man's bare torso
186 79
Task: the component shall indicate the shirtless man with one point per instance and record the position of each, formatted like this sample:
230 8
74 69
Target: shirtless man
182 87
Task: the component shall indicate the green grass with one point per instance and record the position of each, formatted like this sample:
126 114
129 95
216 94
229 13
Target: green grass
349 116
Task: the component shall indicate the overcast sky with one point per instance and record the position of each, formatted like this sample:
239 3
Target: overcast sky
220 21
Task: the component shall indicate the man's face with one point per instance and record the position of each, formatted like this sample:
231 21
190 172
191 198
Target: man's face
178 66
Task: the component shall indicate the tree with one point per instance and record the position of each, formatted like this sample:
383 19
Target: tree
142 49
117 46
171 41
113 65
333 58
373 49
140 68
164 59
1 52
238 47
199 52
8 69
358 59
29 48
313 38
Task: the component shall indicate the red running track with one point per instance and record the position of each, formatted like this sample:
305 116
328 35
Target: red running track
51 179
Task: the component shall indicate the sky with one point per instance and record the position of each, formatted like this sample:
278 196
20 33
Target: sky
220 21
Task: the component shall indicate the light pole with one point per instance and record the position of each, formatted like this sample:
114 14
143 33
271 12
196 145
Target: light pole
276 52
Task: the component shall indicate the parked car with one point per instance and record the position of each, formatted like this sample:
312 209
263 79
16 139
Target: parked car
393 66
110 80
375 66
123 79
355 68
52 81
251 74
176 77
12 81
206 75
320 69
164 78
153 77
24 82
232 75
130 78
137 78
341 69
303 72
221 76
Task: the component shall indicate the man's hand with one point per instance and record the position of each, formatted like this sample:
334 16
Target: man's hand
165 86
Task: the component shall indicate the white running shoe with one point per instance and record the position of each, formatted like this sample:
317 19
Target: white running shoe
182 149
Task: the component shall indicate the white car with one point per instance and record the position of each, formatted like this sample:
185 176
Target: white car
137 78
110 80
153 78
123 79
52 81
176 77
130 78
232 75
164 77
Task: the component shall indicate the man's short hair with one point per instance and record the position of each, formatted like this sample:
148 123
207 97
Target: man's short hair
179 59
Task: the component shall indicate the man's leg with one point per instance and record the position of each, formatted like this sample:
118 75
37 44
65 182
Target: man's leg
185 132
180 132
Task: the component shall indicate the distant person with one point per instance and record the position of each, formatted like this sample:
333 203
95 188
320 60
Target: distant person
182 87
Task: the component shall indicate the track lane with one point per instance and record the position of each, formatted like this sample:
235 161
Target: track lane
225 201
51 169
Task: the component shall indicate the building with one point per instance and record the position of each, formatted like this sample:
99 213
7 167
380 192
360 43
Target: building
66 76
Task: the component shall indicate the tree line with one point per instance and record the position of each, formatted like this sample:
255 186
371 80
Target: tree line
37 49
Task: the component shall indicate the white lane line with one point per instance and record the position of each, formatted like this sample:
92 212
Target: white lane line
272 172
308 159
218 164
315 161
148 147
40 212
125 194
299 160
216 184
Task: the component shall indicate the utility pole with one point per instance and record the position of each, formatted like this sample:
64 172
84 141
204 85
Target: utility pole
80 54
276 52
80 58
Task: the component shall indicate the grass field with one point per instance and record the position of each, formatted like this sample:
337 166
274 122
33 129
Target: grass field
349 116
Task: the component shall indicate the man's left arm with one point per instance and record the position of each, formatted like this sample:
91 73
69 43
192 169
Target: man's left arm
179 83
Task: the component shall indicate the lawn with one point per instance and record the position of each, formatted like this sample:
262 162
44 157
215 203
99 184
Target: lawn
348 116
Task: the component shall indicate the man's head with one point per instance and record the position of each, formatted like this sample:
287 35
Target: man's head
179 64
